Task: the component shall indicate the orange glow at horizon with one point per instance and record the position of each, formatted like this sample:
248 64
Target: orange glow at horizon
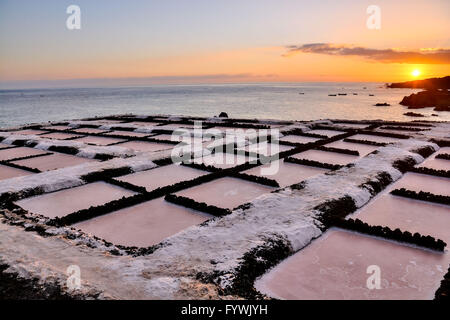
260 64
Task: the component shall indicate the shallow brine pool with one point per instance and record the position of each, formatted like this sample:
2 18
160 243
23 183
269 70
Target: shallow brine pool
30 132
438 164
89 130
328 133
9 172
265 148
285 173
299 139
162 176
99 141
335 266
127 134
145 146
423 182
53 161
223 160
144 224
20 152
363 149
226 192
374 138
61 203
326 157
59 136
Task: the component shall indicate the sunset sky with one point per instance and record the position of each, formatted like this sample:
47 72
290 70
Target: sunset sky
217 41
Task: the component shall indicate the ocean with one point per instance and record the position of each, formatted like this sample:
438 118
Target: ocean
288 101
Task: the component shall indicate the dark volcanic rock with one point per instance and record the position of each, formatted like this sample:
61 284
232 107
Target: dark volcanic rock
413 114
431 83
442 108
439 99
382 104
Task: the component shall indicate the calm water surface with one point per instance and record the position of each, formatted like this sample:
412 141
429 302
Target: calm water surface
275 100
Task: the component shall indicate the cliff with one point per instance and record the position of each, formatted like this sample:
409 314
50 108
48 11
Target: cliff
429 84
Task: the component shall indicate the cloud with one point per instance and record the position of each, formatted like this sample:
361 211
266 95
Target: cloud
423 56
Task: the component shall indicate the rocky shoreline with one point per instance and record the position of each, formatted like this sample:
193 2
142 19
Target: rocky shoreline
437 99
435 95
428 84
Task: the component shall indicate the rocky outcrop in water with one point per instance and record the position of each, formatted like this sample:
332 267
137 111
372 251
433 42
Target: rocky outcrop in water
439 99
413 114
384 104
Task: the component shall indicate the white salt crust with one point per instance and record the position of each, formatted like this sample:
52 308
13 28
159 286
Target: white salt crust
170 270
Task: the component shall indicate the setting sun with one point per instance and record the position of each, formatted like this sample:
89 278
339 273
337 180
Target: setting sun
415 73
